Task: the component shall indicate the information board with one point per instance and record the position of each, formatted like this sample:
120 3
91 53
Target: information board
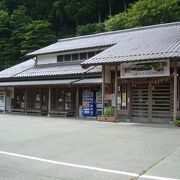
154 68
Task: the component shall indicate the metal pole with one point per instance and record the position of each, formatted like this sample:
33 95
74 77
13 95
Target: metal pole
175 90
116 91
103 88
49 102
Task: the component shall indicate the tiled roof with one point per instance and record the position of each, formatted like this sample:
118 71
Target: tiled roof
57 70
153 42
81 42
19 68
30 70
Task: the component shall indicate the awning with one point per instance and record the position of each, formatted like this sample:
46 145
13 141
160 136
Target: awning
52 82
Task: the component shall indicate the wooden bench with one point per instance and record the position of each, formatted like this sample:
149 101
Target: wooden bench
33 111
37 111
21 111
55 113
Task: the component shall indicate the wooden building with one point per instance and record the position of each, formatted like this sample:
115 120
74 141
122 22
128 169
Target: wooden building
135 71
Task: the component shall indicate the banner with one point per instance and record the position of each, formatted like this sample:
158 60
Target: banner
154 68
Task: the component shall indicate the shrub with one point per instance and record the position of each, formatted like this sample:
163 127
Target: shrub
177 122
109 111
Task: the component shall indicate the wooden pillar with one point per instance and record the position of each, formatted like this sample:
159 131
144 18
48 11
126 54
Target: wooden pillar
150 102
5 100
178 94
175 91
103 88
77 101
129 95
49 102
116 91
25 100
41 98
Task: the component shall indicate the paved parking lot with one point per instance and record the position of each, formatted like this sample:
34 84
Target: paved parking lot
41 148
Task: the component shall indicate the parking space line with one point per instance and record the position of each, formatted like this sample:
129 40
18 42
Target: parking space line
85 167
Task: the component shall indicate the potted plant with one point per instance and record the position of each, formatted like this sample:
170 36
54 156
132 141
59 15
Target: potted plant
108 115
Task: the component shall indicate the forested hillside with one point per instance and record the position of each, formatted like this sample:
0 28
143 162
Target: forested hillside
26 25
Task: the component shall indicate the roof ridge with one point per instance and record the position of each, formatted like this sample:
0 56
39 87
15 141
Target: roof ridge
121 31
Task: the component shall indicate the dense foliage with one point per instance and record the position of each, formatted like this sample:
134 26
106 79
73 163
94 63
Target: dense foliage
27 25
145 12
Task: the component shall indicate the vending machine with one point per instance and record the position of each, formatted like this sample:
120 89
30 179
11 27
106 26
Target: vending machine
88 103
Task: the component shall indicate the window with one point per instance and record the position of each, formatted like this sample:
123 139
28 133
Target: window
83 56
75 57
60 58
91 54
67 57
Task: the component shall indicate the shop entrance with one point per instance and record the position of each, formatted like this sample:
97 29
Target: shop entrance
151 102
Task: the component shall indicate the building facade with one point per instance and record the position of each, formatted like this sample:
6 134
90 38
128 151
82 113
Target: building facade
134 71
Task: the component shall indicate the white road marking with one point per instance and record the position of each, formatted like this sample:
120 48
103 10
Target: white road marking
85 167
156 177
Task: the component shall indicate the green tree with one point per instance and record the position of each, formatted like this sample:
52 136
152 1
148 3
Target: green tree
19 17
3 6
116 22
18 21
37 35
5 33
145 12
90 29
11 5
81 11
151 12
58 16
38 9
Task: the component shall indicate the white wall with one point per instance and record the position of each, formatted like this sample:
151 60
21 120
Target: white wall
47 59
52 58
107 74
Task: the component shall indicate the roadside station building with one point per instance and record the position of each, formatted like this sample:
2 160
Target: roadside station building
135 71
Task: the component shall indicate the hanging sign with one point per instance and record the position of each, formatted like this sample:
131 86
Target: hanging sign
124 99
154 68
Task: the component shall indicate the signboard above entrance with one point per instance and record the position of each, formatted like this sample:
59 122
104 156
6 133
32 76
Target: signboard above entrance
154 68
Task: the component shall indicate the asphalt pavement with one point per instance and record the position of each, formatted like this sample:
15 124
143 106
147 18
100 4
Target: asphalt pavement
45 148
